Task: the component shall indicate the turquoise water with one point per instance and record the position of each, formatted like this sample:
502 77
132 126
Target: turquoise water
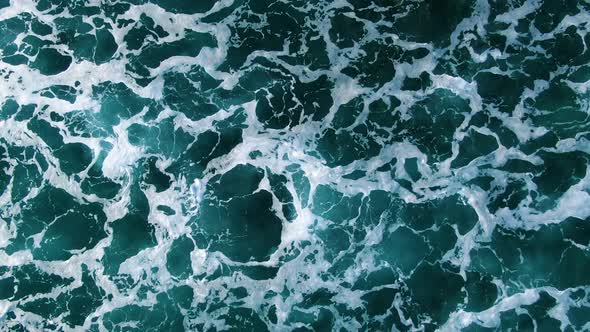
252 165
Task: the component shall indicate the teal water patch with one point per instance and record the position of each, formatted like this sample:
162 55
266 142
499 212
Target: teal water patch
250 165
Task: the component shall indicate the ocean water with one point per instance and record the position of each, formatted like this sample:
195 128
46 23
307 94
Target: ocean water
293 165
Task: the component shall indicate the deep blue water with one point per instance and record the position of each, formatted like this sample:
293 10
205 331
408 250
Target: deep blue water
253 165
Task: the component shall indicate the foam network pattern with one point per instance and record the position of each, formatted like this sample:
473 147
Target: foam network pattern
291 165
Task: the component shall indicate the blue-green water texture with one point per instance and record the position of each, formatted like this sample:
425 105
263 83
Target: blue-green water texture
294 165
